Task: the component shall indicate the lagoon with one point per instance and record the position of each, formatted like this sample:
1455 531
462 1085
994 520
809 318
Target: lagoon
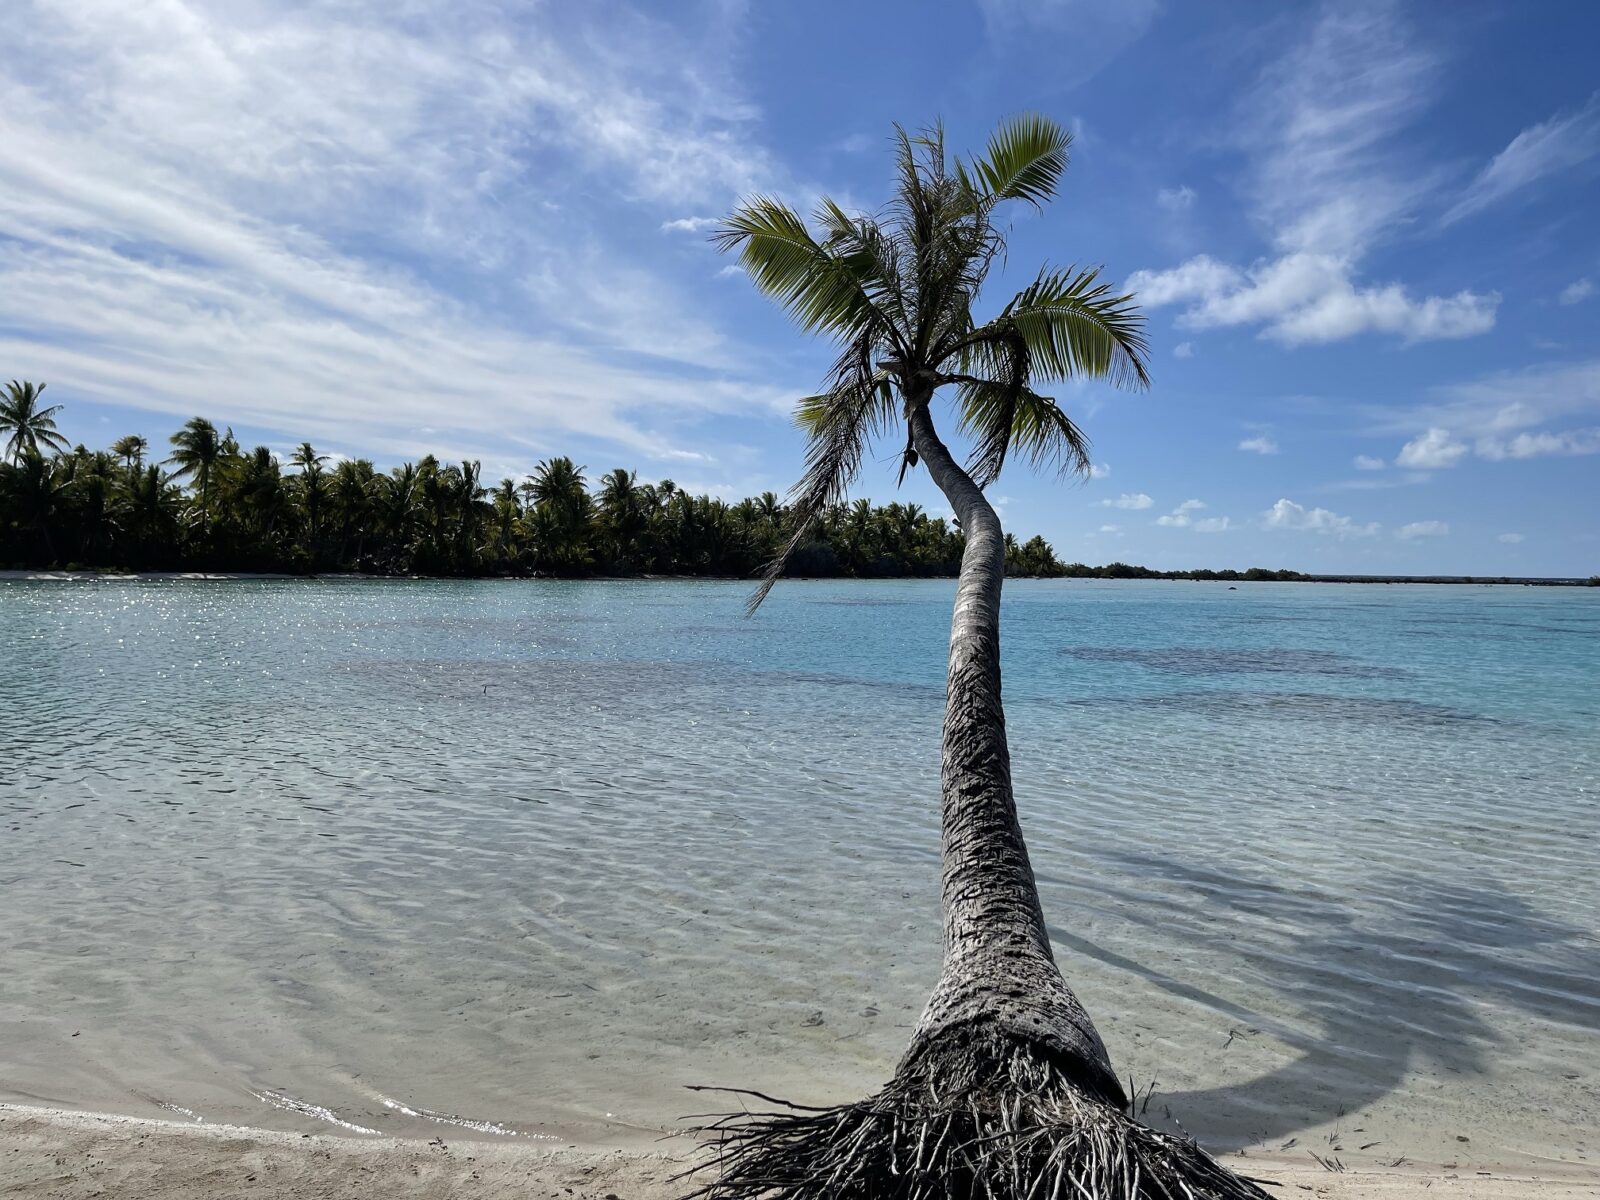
529 857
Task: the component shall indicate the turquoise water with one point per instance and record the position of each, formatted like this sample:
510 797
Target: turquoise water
1323 861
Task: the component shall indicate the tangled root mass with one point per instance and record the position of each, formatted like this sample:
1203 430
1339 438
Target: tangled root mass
1000 1126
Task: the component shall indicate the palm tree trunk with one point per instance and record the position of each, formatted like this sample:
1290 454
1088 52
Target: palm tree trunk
999 984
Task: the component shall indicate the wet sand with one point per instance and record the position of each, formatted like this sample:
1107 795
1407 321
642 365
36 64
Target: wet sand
50 1153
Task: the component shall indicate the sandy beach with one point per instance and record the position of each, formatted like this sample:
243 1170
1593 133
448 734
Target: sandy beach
50 1154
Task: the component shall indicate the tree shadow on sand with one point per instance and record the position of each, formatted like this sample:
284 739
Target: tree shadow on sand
1395 988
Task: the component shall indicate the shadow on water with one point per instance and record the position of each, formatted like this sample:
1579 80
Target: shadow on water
1396 989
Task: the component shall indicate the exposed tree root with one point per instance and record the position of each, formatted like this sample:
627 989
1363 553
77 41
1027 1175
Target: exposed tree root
1030 1134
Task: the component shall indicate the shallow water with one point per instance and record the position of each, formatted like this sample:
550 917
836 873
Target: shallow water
527 858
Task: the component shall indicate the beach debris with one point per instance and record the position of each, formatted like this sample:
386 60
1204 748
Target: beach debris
811 1022
1328 1164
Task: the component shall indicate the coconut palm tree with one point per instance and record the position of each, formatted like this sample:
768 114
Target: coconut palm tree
131 450
29 425
152 514
1006 1088
623 517
197 448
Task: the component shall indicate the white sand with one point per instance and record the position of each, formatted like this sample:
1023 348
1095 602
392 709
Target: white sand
49 1153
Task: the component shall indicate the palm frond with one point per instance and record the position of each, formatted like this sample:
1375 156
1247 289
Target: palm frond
1024 160
839 424
1003 419
1073 326
822 289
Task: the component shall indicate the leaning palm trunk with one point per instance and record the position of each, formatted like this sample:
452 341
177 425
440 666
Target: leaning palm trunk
999 984
1006 1089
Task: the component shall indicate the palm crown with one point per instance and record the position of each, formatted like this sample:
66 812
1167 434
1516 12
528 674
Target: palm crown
29 425
897 290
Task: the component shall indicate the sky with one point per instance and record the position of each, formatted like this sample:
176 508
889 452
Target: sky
1365 235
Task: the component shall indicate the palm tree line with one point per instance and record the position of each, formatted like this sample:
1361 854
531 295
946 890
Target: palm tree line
213 505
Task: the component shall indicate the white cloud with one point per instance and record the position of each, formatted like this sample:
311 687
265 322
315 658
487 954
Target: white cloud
1502 403
1179 517
1099 470
1507 415
1536 445
1577 291
1183 350
1418 529
1365 462
1200 276
690 224
1131 500
1111 529
1432 451
1548 148
1261 444
1213 525
239 212
1510 539
1286 514
1176 199
1328 181
1304 298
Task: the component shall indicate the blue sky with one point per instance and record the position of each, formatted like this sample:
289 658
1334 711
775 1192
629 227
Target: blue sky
1365 234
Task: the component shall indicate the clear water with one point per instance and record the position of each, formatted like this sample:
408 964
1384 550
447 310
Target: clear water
1324 862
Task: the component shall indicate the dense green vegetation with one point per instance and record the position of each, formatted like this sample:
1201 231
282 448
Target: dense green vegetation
212 505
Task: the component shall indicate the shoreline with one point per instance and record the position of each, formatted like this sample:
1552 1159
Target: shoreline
45 575
68 1155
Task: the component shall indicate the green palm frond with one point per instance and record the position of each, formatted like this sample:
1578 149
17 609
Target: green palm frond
839 424
1024 160
1003 420
822 288
897 289
1073 326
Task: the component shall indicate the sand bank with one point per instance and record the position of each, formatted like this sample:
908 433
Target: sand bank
48 1153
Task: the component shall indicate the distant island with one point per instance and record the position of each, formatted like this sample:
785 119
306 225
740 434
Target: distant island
212 506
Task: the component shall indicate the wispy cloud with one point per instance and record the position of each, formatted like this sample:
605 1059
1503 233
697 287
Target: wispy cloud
1538 445
1176 199
1505 415
1091 33
1328 182
1365 462
1577 291
690 224
240 211
1422 529
1260 444
1553 146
